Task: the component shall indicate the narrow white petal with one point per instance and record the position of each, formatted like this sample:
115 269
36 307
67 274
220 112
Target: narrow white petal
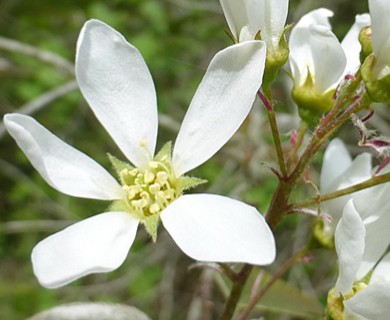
329 60
318 16
97 244
220 105
271 15
351 44
336 161
235 14
376 242
215 228
301 56
349 240
370 303
116 82
380 12
62 166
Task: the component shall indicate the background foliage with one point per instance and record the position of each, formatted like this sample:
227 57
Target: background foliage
177 39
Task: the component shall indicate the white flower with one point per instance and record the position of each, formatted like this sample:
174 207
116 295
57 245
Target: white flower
380 12
339 171
356 245
115 81
247 17
315 52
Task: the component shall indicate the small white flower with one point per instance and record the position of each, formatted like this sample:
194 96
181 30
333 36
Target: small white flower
356 241
339 171
380 12
315 52
248 17
116 82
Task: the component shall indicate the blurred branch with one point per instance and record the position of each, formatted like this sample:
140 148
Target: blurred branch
33 226
198 5
43 55
14 173
43 100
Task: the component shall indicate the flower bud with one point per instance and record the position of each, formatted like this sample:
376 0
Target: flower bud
365 39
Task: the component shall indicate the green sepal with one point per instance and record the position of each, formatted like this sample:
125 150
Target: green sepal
311 103
378 89
118 205
230 35
151 224
335 301
119 165
276 58
186 182
165 153
335 306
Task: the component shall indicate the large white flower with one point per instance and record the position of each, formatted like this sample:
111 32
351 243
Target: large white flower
115 81
363 298
248 17
380 12
316 54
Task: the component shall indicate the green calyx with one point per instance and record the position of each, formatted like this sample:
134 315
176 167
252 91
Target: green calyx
335 301
276 57
377 89
146 192
311 103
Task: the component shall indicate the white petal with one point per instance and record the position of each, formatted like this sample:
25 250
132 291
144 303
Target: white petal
271 17
62 166
358 171
318 16
301 57
351 44
215 228
235 14
329 60
97 244
382 270
371 303
336 161
349 241
116 82
376 242
220 105
380 12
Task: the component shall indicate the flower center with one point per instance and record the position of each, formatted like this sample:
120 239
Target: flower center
149 191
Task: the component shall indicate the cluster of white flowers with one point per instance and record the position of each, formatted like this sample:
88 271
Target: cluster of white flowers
360 224
115 81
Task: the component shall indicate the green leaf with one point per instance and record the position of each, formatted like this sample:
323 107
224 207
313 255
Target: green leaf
282 297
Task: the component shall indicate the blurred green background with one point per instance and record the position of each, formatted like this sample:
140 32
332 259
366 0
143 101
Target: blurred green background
177 38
